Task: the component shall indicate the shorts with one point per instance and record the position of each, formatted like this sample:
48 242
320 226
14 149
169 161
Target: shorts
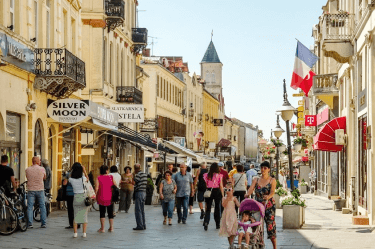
241 230
200 196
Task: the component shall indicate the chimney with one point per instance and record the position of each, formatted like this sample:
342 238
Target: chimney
146 52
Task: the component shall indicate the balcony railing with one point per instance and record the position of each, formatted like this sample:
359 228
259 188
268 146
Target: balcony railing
115 11
149 125
58 72
139 37
337 27
128 94
325 84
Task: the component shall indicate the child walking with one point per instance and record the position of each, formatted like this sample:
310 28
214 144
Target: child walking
246 220
229 224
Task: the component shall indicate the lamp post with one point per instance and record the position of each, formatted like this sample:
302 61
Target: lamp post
287 112
278 131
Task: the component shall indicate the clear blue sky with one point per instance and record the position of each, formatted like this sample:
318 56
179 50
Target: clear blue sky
255 41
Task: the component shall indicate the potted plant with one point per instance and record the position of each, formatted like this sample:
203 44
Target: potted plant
339 204
299 143
303 187
285 152
280 192
293 210
272 152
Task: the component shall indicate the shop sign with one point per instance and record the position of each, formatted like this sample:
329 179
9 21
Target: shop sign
16 53
322 116
180 141
218 122
103 114
129 113
310 120
68 110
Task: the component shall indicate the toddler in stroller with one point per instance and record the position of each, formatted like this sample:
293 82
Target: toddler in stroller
252 223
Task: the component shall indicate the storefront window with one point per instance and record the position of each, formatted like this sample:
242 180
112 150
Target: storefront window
13 127
68 150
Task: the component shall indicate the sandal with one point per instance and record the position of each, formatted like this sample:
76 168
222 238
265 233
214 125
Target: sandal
110 230
165 222
170 222
101 231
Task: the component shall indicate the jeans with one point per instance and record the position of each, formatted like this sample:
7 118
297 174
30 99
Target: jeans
139 210
39 195
168 208
185 205
126 197
215 196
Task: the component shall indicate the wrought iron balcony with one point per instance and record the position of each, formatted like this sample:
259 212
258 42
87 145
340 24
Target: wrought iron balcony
149 125
115 11
58 72
139 37
337 31
325 85
129 94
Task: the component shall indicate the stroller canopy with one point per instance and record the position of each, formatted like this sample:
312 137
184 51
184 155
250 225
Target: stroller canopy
252 206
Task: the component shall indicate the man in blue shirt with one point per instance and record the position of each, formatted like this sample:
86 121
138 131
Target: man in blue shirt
250 174
184 183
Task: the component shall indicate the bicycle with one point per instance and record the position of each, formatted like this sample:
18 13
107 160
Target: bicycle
36 211
11 215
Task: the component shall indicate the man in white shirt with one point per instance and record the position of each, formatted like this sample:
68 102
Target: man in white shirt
250 174
117 180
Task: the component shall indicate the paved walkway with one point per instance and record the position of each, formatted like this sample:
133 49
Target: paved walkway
324 228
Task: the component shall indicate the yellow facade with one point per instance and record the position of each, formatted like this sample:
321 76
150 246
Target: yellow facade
210 112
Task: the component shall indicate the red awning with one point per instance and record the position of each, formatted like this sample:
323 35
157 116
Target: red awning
224 143
325 138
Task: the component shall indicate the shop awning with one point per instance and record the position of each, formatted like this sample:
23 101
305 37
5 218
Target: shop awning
324 140
189 153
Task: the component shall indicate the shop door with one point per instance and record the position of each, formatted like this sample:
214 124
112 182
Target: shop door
68 151
362 161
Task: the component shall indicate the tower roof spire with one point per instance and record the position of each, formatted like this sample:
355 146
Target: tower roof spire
211 55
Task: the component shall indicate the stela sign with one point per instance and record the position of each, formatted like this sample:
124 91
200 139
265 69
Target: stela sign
68 110
129 113
310 120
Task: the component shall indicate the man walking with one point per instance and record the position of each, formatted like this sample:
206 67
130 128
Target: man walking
35 175
201 187
6 176
184 183
224 173
47 181
140 186
250 174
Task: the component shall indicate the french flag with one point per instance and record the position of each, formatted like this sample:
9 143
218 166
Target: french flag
302 73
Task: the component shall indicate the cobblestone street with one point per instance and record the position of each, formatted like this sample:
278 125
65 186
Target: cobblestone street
324 228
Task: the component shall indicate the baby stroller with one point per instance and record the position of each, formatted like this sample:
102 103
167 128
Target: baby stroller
257 210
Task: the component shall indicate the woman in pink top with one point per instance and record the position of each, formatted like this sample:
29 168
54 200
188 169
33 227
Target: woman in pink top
214 183
103 190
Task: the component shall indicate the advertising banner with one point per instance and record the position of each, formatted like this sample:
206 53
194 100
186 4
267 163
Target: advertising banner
310 120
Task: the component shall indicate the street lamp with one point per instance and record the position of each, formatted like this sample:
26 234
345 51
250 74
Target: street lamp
287 112
278 131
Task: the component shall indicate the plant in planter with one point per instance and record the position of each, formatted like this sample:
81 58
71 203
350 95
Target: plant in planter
277 142
278 184
293 210
303 183
280 191
303 186
285 152
300 140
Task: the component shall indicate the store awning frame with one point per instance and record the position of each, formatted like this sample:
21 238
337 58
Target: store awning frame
324 140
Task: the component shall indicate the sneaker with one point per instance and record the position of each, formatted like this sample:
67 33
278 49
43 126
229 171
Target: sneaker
202 215
179 221
184 222
84 235
43 226
30 226
75 235
122 211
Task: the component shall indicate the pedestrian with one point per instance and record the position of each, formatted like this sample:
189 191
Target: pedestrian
149 190
232 172
69 198
214 183
201 187
77 180
250 174
140 187
228 223
224 173
36 175
167 190
47 181
127 190
239 182
103 191
7 180
264 188
170 167
91 178
174 170
191 198
117 179
185 189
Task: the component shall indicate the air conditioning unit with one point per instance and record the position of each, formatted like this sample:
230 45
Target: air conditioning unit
340 137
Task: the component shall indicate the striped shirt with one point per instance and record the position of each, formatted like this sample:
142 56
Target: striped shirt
35 175
140 180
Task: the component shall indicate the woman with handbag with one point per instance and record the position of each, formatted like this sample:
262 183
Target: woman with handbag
214 192
167 190
80 209
103 191
239 181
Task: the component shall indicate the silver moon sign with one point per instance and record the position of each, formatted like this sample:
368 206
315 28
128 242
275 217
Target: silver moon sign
68 110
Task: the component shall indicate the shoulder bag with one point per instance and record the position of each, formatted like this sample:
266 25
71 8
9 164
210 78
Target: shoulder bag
208 192
237 182
115 193
88 200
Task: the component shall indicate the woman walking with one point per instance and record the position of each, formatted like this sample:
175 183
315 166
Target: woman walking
167 190
127 189
69 198
264 188
103 190
239 182
80 209
214 183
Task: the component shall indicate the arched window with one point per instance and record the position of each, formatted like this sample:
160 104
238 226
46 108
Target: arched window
38 139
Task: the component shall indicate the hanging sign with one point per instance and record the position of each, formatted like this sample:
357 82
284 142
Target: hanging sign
310 120
68 110
129 113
